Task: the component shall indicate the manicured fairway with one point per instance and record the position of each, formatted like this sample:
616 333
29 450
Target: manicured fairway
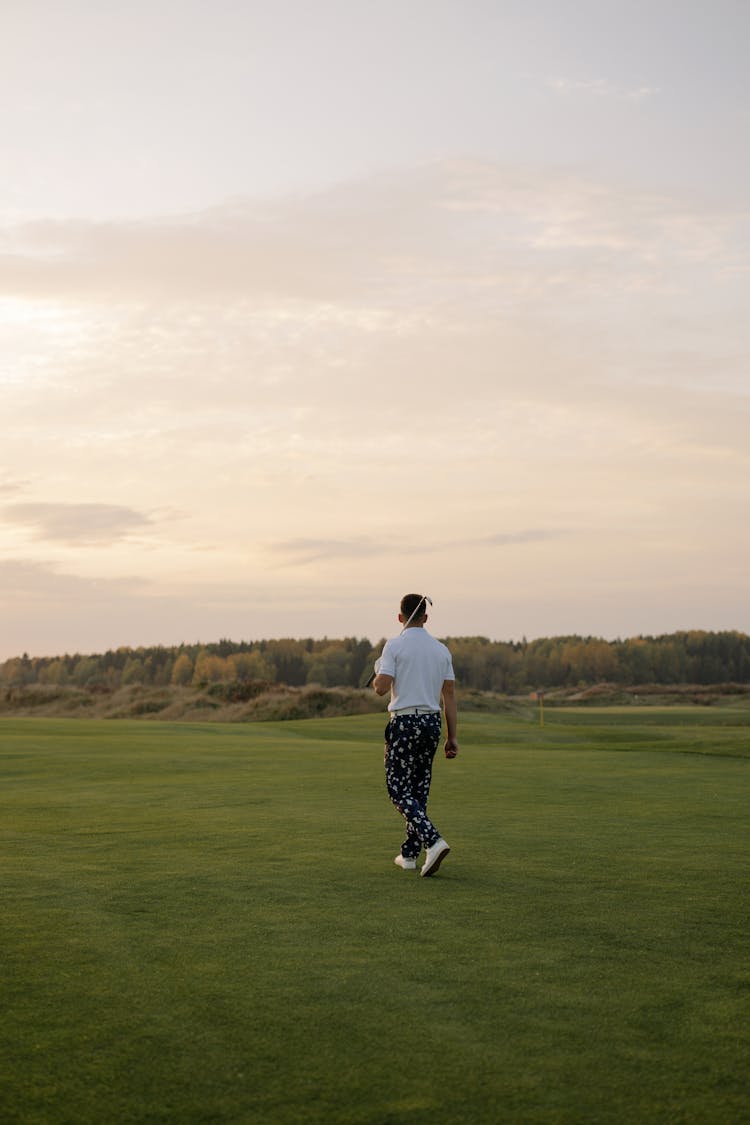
203 923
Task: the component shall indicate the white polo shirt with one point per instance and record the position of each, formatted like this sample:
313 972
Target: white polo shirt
419 665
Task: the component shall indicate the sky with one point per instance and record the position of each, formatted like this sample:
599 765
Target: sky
305 306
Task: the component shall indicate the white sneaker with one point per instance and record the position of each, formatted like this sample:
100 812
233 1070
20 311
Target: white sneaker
407 864
434 856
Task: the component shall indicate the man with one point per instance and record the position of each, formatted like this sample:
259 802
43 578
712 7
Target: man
418 672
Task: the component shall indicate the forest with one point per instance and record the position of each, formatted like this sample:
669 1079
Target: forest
691 657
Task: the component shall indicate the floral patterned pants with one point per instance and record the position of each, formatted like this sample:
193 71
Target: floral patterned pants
410 745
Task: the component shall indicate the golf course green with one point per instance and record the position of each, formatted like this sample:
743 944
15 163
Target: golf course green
203 923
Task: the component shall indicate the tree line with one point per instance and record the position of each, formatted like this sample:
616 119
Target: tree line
692 657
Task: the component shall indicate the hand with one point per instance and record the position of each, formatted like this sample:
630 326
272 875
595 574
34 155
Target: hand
451 747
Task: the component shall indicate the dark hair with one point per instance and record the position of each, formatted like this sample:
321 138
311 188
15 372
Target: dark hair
413 604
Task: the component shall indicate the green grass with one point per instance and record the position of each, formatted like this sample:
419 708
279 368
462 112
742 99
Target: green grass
203 923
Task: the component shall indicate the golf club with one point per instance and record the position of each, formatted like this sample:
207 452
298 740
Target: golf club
422 602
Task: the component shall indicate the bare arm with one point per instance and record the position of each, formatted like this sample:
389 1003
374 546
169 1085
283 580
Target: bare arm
382 684
450 709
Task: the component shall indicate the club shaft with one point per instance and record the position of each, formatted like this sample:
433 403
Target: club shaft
423 602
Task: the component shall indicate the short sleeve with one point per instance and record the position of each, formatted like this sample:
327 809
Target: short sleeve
387 664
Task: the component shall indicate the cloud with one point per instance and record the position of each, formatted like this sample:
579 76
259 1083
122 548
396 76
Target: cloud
509 351
77 524
597 86
641 93
25 581
253 329
48 611
602 88
304 552
9 485
533 535
447 232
